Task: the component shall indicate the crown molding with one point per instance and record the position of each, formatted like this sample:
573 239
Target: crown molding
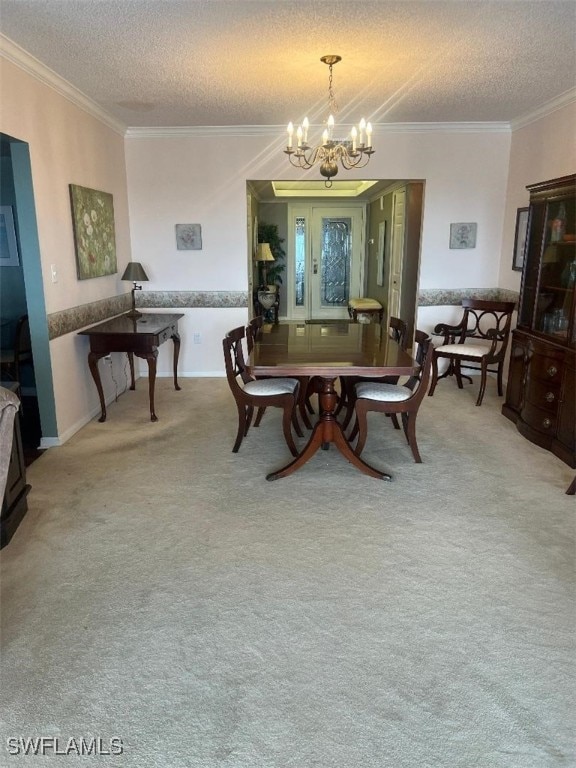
206 131
202 131
22 59
566 98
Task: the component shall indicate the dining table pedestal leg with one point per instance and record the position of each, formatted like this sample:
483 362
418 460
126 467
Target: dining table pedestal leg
327 430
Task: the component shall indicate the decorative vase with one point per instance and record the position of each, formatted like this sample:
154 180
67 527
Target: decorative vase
267 299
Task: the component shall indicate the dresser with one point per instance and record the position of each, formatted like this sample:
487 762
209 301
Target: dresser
541 389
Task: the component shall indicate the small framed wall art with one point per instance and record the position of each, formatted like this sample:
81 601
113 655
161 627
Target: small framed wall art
94 232
189 237
463 235
8 244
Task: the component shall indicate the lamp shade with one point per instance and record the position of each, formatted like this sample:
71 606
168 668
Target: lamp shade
264 253
135 272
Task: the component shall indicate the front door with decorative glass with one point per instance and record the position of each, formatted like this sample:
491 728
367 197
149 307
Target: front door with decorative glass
326 249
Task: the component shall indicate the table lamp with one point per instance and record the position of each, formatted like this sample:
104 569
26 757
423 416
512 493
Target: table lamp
264 254
134 272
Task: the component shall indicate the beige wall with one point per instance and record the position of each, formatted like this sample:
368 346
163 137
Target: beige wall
158 182
67 146
545 149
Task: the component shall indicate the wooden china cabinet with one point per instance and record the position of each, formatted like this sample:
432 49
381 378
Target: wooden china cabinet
541 393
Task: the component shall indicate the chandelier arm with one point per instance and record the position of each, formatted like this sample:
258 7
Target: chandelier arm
301 160
361 160
347 158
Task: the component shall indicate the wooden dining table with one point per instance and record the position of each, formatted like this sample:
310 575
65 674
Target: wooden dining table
328 351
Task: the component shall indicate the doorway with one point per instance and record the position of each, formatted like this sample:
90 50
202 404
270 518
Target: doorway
290 206
23 293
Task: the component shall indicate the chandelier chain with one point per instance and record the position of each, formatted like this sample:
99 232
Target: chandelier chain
332 105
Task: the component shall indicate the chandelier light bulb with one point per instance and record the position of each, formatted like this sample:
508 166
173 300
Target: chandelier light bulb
362 126
354 135
368 134
299 135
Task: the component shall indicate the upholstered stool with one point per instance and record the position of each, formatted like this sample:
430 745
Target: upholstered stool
365 307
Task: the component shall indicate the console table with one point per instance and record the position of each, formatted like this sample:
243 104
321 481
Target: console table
140 336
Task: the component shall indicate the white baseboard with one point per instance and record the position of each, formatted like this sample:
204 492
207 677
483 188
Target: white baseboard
55 442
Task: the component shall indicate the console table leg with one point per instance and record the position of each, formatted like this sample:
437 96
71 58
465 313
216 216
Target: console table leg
176 340
131 363
152 382
93 358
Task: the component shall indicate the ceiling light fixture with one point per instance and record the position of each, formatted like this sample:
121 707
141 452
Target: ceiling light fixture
351 153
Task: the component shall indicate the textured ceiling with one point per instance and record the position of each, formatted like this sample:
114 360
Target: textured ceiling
257 62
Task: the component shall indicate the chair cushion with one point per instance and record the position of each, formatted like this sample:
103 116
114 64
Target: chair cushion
387 393
271 386
463 350
364 304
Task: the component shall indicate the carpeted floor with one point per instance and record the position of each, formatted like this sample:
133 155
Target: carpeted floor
162 593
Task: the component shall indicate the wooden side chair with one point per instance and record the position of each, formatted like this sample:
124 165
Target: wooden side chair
304 404
250 393
404 400
397 330
478 342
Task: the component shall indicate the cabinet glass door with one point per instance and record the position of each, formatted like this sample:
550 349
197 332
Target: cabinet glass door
554 306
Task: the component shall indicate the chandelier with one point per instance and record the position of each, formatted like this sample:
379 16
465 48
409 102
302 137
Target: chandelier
350 153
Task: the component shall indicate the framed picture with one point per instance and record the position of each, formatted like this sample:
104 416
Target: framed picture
520 239
380 259
8 245
94 232
463 235
189 237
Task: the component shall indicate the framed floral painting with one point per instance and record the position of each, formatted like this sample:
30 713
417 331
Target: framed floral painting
94 233
520 239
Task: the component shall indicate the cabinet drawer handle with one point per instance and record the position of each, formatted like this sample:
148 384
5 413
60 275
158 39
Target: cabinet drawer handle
552 371
546 423
549 397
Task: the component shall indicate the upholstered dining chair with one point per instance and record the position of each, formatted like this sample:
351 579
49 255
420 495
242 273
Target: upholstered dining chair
387 398
397 330
250 393
304 404
478 342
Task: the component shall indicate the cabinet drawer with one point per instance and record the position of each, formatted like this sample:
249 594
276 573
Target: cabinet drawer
543 394
539 419
547 367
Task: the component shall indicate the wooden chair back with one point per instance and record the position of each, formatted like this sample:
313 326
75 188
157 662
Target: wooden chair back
398 331
487 321
252 330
